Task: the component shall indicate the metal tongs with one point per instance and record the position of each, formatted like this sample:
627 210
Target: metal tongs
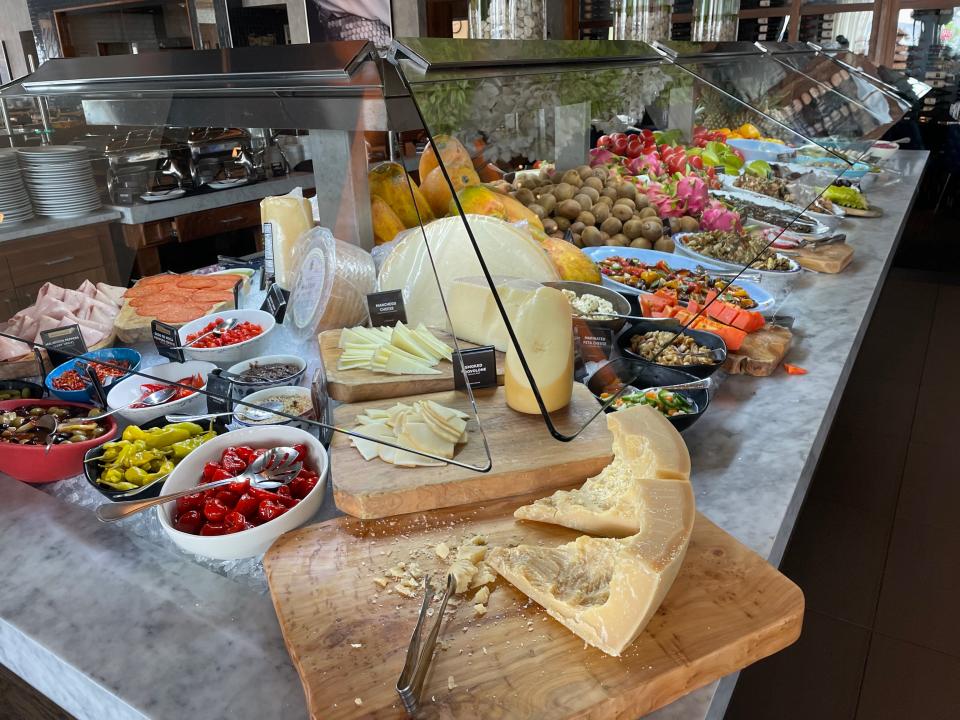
418 660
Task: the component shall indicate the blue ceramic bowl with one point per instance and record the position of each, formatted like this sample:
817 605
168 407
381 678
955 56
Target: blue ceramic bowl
106 355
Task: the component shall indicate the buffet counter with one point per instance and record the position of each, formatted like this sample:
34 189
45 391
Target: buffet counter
149 212
45 225
113 624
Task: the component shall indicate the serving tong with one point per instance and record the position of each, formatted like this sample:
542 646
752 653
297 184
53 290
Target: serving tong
219 330
417 663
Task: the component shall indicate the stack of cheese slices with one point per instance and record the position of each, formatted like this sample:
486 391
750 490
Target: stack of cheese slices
397 350
641 509
425 426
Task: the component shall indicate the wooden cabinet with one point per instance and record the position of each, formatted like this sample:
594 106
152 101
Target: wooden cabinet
145 238
65 258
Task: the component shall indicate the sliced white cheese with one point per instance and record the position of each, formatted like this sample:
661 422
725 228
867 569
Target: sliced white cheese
403 458
404 339
403 366
440 348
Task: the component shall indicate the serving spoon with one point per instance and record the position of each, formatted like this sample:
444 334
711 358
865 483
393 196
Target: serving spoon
157 397
256 414
274 468
218 330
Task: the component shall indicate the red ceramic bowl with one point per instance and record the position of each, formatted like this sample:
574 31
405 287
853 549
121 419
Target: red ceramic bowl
30 464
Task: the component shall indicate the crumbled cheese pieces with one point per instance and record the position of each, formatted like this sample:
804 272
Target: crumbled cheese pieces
603 589
589 304
463 571
442 550
482 595
450 683
425 427
479 610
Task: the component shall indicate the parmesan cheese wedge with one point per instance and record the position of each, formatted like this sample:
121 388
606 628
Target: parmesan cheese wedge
604 589
649 472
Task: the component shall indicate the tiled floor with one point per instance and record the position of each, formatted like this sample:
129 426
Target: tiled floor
876 548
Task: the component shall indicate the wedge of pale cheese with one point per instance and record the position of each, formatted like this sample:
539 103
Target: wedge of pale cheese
649 474
604 590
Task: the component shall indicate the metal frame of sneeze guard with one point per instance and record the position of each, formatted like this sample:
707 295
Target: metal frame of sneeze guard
335 91
426 62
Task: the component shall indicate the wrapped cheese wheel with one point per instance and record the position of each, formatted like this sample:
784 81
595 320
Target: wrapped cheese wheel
285 218
331 281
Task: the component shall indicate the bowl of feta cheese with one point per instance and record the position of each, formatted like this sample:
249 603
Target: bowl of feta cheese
596 304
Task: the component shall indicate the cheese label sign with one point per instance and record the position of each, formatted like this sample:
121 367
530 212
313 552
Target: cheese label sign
276 303
219 393
480 366
592 343
386 308
63 343
167 340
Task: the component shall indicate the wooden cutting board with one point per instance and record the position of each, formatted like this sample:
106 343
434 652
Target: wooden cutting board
26 366
762 351
132 327
727 609
831 259
525 457
351 386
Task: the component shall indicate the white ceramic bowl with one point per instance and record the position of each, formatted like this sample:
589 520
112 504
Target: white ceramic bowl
230 354
778 283
272 392
128 390
242 389
255 541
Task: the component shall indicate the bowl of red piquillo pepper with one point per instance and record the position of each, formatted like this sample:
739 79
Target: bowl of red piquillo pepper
185 379
237 520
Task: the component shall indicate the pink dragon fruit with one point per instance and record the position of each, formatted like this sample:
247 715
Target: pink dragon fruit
718 217
661 197
691 191
599 156
646 164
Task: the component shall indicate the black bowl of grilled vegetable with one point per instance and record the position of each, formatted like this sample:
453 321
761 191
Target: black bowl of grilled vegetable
696 352
682 407
123 470
21 390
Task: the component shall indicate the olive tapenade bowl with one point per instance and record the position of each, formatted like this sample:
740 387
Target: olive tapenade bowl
705 339
32 464
92 468
624 371
243 387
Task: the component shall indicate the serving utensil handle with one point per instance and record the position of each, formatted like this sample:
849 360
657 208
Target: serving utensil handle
111 512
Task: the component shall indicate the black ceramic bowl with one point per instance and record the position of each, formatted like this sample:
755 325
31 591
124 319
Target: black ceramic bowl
22 388
91 470
705 339
640 375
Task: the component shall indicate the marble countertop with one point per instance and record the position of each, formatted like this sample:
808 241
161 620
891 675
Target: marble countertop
147 212
43 225
114 622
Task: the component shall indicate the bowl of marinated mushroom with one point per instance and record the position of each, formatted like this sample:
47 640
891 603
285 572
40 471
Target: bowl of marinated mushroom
667 344
24 437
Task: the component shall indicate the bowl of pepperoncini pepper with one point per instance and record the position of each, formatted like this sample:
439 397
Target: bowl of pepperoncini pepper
135 466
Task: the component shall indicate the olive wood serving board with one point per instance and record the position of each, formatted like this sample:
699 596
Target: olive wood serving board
352 386
347 638
761 353
26 365
831 259
525 457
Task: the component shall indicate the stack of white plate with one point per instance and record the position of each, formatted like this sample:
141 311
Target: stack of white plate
60 180
14 201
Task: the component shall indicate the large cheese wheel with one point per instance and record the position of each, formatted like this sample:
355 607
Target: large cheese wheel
603 589
507 251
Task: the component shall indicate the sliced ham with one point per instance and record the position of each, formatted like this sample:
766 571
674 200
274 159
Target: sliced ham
88 289
110 294
50 290
52 309
11 349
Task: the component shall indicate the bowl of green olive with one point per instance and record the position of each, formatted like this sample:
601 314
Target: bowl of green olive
23 453
20 390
